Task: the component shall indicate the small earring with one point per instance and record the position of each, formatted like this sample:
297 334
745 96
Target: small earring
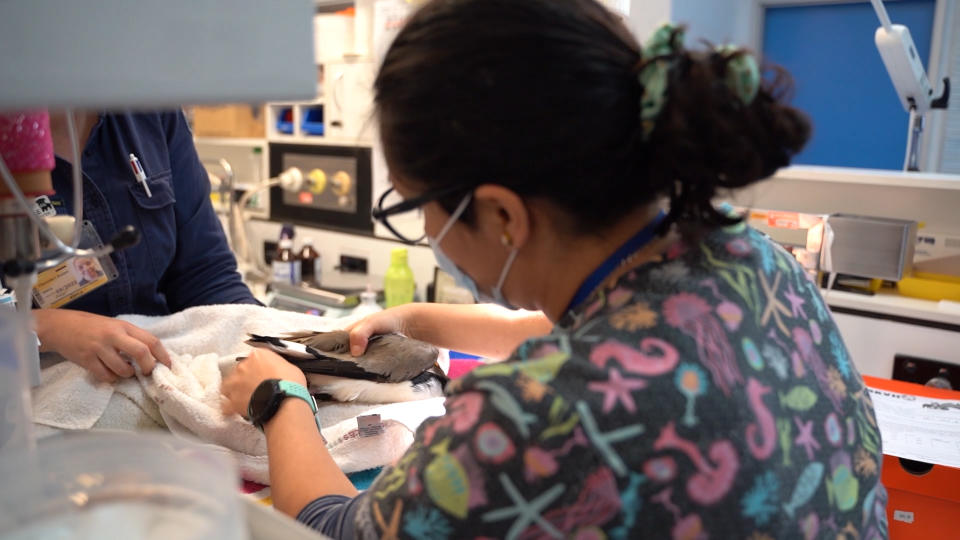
506 240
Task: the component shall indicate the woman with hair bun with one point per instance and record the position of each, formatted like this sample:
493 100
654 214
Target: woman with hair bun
694 384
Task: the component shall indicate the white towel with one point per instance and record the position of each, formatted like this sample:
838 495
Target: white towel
68 398
204 343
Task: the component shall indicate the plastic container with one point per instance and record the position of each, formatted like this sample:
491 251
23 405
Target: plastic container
310 264
312 123
286 264
930 287
285 121
120 485
398 282
16 426
368 303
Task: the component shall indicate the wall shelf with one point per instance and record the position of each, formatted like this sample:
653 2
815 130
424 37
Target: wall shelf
872 177
231 141
282 138
318 140
890 303
316 101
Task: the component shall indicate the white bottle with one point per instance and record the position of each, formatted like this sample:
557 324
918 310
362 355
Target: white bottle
368 303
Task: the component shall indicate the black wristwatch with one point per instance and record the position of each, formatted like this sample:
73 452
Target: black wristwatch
266 400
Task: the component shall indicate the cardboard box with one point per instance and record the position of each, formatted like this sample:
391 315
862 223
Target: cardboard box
229 121
923 505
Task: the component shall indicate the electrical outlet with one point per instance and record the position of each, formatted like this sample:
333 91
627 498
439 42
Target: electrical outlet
926 371
352 265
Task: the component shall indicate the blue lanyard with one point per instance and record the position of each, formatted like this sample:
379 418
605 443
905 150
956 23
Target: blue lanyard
603 271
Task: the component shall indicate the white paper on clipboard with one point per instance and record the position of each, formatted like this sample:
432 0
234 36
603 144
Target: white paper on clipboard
918 428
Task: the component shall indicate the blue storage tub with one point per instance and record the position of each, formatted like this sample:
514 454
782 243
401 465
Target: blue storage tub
312 121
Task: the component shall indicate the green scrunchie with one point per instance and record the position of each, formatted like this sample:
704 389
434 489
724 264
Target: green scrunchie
660 53
743 74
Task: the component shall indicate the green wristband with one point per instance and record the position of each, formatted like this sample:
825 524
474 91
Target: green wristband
292 389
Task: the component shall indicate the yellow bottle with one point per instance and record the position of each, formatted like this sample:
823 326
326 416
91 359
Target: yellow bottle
398 283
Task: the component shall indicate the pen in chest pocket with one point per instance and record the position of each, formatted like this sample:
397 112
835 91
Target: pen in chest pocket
139 175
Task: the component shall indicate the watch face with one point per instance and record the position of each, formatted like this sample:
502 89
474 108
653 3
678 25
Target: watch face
261 401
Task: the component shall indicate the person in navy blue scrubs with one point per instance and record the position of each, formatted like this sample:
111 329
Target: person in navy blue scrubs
182 260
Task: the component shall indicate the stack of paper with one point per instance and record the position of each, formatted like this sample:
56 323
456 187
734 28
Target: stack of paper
918 428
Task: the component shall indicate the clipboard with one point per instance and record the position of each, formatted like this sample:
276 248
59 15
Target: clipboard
921 505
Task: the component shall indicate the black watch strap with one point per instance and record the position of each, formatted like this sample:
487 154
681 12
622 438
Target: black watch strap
270 394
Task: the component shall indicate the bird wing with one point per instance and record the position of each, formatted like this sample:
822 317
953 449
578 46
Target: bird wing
397 357
309 360
287 349
388 358
346 390
337 341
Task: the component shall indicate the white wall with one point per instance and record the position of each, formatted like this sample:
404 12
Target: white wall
718 21
874 343
647 15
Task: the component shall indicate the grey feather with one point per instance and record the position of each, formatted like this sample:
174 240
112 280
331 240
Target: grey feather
389 357
337 341
327 388
394 356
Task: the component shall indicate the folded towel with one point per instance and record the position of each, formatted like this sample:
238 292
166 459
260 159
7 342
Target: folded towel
68 398
204 343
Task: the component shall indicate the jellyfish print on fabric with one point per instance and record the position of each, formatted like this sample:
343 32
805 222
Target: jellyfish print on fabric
695 318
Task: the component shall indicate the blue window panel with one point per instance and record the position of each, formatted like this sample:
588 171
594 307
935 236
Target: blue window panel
840 80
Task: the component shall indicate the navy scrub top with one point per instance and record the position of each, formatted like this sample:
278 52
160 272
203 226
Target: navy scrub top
183 259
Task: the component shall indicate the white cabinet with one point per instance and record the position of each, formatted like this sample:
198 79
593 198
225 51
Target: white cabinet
874 342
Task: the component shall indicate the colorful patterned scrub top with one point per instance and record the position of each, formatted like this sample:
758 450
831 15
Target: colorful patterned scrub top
706 395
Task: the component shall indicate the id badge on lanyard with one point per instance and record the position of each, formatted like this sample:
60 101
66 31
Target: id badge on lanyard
75 277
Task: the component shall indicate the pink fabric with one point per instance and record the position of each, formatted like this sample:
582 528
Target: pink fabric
25 142
460 367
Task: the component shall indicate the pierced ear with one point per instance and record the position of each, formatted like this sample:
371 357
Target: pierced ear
508 216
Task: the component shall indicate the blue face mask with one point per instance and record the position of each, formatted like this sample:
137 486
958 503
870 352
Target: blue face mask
461 277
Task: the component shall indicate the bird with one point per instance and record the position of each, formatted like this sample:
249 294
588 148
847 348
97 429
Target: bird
394 367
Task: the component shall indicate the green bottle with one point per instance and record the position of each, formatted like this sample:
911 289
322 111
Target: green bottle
398 283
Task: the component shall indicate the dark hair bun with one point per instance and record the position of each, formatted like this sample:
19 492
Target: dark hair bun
543 97
707 139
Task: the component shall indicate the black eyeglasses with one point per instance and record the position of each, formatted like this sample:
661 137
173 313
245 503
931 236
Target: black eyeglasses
382 214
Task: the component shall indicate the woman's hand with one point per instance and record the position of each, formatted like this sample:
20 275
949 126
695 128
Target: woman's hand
392 320
249 373
483 329
99 343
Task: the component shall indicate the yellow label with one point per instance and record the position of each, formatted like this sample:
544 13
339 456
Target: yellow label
68 281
